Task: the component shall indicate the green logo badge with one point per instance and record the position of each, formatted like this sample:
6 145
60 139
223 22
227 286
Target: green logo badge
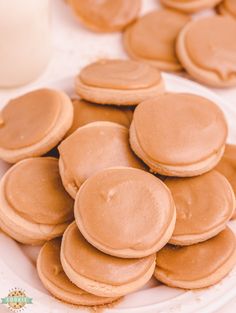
16 300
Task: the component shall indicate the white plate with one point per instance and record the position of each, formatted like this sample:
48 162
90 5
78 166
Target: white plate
17 268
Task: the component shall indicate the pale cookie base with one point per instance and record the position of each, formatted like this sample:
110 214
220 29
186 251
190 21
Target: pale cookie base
117 96
128 252
204 76
171 170
161 65
192 6
190 239
62 125
102 289
67 179
72 298
210 280
22 230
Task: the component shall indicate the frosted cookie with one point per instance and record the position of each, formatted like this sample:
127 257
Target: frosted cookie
227 7
119 82
101 274
106 15
213 62
197 266
91 148
178 134
152 38
204 204
32 124
125 212
88 112
190 6
227 166
55 280
34 207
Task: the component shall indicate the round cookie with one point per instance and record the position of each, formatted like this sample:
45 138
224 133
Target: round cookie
106 15
204 204
91 148
152 38
125 212
213 62
55 280
227 7
32 124
197 266
178 134
88 112
227 167
99 273
190 6
119 82
34 207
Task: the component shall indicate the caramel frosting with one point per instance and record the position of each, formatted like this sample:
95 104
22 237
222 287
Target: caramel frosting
98 266
121 223
187 129
217 51
203 206
92 148
190 6
29 118
228 7
55 280
106 15
197 261
87 112
227 165
119 74
34 190
152 37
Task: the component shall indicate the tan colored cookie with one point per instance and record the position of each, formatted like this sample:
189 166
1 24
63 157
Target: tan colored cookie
34 207
106 15
227 167
125 212
213 62
55 280
99 273
197 266
204 204
31 125
190 6
91 148
87 112
179 134
119 82
152 38
227 7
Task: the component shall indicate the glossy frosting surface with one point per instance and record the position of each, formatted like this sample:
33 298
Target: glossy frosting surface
217 51
120 74
29 118
187 128
202 202
153 36
130 209
34 190
196 261
95 265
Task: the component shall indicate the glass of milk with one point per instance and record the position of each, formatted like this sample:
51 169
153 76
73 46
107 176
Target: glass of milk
25 41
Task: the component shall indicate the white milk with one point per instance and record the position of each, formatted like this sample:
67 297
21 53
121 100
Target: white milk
25 43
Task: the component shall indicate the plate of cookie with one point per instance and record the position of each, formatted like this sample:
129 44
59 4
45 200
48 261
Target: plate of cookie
116 208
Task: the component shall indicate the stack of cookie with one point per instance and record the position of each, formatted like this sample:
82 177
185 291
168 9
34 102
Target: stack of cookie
132 195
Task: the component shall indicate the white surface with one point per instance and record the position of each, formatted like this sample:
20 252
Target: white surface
74 47
17 268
